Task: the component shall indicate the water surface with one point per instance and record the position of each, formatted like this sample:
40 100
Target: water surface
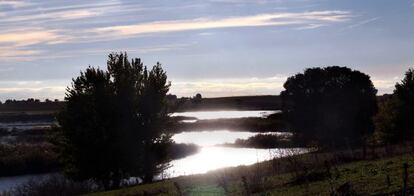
8 183
214 157
215 137
211 156
207 115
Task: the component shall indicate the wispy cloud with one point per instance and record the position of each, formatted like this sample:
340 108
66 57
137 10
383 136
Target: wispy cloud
22 54
207 87
139 50
252 86
361 23
32 26
15 39
78 14
240 1
37 89
14 3
45 17
10 53
311 26
34 36
15 45
230 86
272 19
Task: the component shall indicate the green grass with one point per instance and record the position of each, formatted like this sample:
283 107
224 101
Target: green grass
158 188
205 190
365 177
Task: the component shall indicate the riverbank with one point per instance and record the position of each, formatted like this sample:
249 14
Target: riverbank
271 123
266 141
321 173
28 151
251 124
39 158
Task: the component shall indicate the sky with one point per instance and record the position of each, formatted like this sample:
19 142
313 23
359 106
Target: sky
213 47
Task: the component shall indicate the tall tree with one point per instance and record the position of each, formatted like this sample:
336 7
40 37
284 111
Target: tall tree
153 117
87 135
330 106
113 125
396 114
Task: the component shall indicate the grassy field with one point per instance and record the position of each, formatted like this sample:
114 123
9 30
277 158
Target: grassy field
310 174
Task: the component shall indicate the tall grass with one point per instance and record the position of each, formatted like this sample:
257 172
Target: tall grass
18 159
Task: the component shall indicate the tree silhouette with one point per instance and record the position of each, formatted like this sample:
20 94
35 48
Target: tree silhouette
330 106
395 117
113 125
197 98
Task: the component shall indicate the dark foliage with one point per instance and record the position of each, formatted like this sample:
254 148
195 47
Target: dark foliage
274 122
265 141
113 125
51 186
312 176
197 99
263 102
178 151
22 117
27 159
330 106
394 121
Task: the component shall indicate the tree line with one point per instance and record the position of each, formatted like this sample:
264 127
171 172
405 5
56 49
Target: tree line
115 123
28 101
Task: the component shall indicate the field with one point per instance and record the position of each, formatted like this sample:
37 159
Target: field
339 173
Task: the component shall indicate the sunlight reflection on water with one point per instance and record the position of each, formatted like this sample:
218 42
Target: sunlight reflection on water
211 157
215 157
207 115
210 138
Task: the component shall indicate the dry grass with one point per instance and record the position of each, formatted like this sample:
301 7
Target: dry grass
18 159
322 173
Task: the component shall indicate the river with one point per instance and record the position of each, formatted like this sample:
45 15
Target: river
211 155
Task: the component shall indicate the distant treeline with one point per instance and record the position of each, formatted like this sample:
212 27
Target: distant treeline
27 101
264 102
260 102
272 123
31 105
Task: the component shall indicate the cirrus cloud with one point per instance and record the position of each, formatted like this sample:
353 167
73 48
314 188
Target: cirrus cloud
271 19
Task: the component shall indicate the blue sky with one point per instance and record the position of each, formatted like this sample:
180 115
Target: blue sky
212 47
